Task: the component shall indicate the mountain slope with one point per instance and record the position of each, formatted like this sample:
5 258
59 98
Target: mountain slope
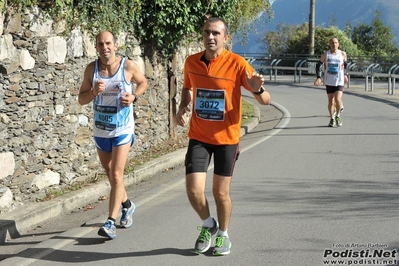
340 11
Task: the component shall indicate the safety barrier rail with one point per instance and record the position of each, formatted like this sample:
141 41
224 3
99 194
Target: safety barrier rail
299 66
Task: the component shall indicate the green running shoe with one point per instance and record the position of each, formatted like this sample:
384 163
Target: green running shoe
338 121
222 246
204 240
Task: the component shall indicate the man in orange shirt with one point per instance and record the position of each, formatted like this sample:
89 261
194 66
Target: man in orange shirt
212 82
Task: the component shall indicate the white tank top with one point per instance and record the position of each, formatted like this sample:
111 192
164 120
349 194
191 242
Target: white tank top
111 119
334 69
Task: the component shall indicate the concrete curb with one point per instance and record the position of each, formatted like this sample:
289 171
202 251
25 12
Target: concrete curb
26 218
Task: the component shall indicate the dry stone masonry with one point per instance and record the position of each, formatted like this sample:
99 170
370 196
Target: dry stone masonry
45 135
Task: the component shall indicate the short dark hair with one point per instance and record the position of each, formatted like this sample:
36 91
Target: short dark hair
216 19
113 36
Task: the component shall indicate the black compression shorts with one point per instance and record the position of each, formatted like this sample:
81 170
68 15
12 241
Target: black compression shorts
333 89
199 156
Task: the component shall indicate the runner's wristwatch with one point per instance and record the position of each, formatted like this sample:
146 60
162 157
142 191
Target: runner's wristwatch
135 97
260 92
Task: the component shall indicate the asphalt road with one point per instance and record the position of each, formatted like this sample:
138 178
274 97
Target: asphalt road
303 194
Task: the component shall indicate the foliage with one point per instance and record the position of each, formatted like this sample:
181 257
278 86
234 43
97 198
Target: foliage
92 16
248 13
362 35
294 39
323 36
278 40
299 40
168 22
161 24
348 29
375 39
247 112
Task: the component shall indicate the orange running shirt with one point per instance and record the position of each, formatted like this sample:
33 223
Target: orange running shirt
216 90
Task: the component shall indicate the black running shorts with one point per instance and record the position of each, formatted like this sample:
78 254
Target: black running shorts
333 89
199 155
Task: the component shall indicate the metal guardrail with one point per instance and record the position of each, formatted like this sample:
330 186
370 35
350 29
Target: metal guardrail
369 71
274 66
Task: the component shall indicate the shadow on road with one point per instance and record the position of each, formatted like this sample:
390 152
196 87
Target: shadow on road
79 257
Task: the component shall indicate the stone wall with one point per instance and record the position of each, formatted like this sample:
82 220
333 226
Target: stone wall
45 135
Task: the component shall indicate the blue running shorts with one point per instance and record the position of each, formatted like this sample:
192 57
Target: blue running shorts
106 144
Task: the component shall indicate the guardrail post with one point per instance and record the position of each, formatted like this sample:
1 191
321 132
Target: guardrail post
271 69
366 88
350 65
372 76
275 70
390 78
394 80
250 59
296 67
300 71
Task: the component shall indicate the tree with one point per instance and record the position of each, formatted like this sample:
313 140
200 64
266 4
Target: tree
332 21
376 39
277 41
247 12
293 39
312 26
383 43
348 29
323 36
362 36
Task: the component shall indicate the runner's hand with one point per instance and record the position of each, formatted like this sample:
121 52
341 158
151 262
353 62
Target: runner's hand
255 81
180 119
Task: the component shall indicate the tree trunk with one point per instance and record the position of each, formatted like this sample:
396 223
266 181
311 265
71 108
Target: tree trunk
312 26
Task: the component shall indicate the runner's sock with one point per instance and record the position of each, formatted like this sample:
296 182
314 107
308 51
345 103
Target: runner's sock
223 233
209 223
112 220
127 204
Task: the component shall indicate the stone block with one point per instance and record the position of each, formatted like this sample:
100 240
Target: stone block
26 60
56 50
7 164
7 48
46 179
5 198
1 22
14 25
75 44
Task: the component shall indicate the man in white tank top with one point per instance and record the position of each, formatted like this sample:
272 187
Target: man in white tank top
108 81
335 77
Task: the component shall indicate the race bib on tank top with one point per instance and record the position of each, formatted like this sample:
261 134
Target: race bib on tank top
108 106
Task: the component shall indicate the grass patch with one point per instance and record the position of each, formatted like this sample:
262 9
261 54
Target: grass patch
247 112
52 193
